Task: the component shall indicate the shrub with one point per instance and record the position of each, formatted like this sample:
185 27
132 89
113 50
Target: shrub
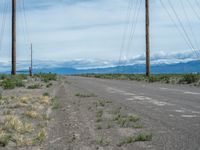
12 82
35 86
45 94
189 78
47 77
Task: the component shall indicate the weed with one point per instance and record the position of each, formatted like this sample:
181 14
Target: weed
24 99
4 138
49 85
13 123
189 78
99 113
102 103
102 141
98 120
32 114
85 95
125 120
109 125
98 127
41 135
22 141
35 86
45 94
46 117
164 78
7 112
4 101
12 82
142 137
44 100
47 77
54 103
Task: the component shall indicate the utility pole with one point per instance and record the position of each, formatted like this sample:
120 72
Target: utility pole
147 39
13 72
31 67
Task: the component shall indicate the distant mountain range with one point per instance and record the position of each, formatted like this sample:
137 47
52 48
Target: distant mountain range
187 67
185 62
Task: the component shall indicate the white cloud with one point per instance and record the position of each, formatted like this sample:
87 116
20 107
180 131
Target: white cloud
67 30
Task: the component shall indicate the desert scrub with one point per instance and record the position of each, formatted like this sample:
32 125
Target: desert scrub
85 95
163 78
45 100
39 138
4 101
12 81
21 140
4 138
32 114
102 103
13 123
45 94
189 79
35 86
102 141
49 85
55 103
24 99
142 137
46 77
125 120
99 115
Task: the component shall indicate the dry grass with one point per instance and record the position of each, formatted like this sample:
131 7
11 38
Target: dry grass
24 99
12 122
32 114
44 100
22 140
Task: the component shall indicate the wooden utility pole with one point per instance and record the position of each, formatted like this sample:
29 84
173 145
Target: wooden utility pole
147 39
13 72
31 67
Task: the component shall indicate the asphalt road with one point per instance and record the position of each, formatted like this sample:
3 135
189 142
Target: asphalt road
170 112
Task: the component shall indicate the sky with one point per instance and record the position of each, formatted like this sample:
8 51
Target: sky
69 30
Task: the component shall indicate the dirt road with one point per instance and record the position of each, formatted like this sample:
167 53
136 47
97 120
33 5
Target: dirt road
91 114
170 113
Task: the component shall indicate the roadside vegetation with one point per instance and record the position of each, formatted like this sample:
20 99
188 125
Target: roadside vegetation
11 82
193 79
109 118
23 116
142 137
22 120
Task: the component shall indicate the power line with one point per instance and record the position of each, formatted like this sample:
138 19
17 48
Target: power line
193 9
187 38
26 22
190 26
130 7
134 25
4 16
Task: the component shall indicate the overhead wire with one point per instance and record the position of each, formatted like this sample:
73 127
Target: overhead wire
190 25
183 28
133 28
193 9
125 31
26 22
3 25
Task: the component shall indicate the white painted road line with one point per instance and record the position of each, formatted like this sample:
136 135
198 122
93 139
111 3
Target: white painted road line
181 91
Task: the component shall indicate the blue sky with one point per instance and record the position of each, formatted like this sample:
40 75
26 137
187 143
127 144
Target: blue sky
66 30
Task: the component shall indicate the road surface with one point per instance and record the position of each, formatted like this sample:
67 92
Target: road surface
171 112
